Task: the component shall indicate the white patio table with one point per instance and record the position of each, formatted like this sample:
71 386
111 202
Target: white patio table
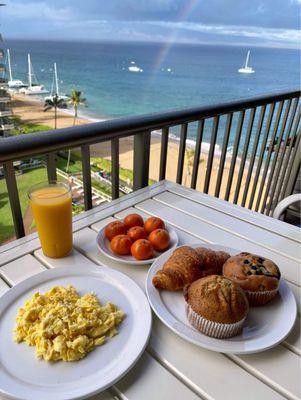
172 368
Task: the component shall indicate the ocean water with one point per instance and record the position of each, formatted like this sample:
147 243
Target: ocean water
173 77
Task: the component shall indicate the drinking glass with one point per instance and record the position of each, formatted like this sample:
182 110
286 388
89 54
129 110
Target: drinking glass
51 204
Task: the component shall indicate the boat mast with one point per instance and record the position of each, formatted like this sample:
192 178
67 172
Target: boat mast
247 59
29 71
56 80
9 66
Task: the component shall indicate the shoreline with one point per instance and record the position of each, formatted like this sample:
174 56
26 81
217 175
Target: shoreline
190 143
31 110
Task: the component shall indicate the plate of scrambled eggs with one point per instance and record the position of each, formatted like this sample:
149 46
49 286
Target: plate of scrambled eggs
71 332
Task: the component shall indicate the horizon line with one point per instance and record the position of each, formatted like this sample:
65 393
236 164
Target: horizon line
191 43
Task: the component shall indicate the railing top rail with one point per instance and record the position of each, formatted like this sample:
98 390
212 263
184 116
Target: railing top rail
16 147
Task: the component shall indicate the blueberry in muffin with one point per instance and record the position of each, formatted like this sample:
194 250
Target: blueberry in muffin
258 276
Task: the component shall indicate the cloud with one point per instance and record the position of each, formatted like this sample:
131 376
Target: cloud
257 22
37 12
266 13
285 35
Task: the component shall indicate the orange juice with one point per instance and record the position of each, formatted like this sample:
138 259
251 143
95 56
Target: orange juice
52 210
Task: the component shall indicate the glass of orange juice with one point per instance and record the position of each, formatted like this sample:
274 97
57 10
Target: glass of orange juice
51 204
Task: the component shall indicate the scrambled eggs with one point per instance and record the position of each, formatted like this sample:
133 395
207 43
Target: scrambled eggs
64 326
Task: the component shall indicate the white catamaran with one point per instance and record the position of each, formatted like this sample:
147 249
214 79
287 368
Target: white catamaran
134 68
55 87
13 83
246 69
33 85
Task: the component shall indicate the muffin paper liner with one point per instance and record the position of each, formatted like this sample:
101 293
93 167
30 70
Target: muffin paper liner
259 298
213 329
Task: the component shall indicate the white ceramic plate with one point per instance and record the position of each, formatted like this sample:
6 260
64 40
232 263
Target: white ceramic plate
22 376
265 326
103 245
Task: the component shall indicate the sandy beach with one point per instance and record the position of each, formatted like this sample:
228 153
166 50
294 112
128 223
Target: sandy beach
31 111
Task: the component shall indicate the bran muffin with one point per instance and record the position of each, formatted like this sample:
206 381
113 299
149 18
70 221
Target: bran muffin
216 306
257 276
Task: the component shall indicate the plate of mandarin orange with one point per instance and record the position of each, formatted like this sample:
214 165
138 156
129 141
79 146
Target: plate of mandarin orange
136 240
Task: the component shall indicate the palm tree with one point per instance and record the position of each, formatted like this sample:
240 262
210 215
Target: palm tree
54 103
76 100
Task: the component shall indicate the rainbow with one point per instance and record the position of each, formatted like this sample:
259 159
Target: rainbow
184 13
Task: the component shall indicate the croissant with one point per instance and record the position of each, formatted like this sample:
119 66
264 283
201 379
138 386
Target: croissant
181 268
212 261
186 265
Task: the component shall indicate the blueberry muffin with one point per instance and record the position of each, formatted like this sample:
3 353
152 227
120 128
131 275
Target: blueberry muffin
216 306
257 276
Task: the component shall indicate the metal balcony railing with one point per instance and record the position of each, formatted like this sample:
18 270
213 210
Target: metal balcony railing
6 126
5 112
255 165
4 99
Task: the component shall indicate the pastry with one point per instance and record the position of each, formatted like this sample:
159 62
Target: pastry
187 265
182 268
257 276
216 306
212 261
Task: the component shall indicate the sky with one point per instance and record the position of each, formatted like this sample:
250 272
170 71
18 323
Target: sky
271 23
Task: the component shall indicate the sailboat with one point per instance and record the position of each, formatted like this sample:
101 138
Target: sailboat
246 69
33 88
55 87
13 83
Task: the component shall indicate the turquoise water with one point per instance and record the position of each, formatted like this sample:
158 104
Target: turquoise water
199 75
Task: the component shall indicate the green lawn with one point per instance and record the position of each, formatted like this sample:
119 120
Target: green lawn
34 176
74 166
98 164
23 127
101 187
124 174
24 182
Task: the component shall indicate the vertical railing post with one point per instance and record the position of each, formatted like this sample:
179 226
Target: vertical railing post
253 157
163 154
197 153
223 155
244 156
234 153
262 189
211 154
51 166
261 154
115 168
141 159
293 146
295 168
86 167
181 157
283 158
266 207
14 200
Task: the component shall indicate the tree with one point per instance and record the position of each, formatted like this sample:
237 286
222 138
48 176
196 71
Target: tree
189 163
76 100
54 103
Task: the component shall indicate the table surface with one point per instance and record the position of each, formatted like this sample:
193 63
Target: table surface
171 367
